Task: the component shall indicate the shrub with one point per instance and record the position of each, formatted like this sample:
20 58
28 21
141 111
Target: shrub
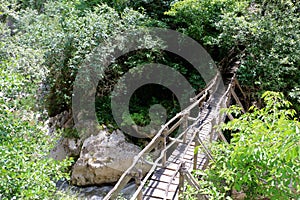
67 38
264 36
270 34
26 170
262 159
199 19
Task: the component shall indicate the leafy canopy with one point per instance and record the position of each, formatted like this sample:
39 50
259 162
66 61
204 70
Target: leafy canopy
264 36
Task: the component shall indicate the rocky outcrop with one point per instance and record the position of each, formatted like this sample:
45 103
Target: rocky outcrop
61 121
66 147
103 159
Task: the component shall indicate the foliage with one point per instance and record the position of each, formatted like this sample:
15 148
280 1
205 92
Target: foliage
199 19
27 172
45 43
150 94
23 4
67 38
84 5
66 33
153 8
262 159
264 35
271 36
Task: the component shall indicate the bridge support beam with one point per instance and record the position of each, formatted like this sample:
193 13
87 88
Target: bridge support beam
196 150
185 125
138 179
164 146
182 172
237 100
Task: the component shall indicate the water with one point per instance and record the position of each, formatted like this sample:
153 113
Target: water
94 192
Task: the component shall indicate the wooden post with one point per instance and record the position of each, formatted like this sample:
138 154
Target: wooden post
230 116
197 144
164 159
205 148
221 136
237 100
114 194
240 88
181 181
164 140
185 125
211 135
138 179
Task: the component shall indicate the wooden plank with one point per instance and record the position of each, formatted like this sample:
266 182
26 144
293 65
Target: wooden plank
177 161
165 178
165 171
172 166
162 185
188 157
151 198
190 151
174 160
158 193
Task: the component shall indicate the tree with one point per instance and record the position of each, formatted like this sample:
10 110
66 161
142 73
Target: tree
262 35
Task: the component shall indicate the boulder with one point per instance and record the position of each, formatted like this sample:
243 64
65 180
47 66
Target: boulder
103 159
65 147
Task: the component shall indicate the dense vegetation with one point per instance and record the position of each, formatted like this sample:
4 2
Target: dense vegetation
262 159
44 43
26 171
263 35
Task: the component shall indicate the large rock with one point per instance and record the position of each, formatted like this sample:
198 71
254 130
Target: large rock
104 158
65 147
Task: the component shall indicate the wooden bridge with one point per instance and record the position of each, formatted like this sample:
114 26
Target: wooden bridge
171 170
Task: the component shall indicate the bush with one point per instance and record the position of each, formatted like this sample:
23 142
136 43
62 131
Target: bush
26 170
67 38
264 36
199 19
262 159
153 8
270 34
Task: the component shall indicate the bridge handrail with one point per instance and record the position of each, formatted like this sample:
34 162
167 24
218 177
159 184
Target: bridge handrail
181 156
181 115
223 100
196 131
156 162
209 84
139 156
202 144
